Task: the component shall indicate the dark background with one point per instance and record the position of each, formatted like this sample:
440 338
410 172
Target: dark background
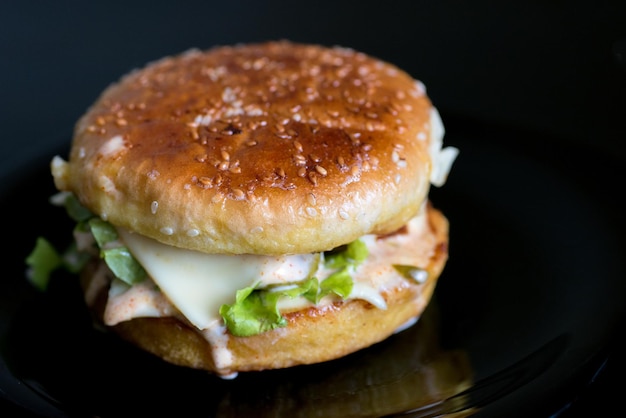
554 67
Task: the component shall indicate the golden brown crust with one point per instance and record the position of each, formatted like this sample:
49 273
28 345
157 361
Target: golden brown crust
268 148
313 335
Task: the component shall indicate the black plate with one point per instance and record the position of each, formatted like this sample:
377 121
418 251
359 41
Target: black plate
522 317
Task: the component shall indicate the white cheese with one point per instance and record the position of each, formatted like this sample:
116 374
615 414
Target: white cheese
198 284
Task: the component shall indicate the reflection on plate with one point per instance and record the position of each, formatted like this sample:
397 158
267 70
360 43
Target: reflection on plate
520 319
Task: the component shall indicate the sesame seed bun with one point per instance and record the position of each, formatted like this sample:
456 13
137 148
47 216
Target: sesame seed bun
270 148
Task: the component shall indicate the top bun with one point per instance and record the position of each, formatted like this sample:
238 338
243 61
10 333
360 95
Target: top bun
268 148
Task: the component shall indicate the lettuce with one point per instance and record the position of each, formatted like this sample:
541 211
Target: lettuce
256 310
118 257
42 261
45 259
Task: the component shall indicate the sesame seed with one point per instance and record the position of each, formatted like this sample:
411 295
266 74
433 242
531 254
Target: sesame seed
343 214
205 181
225 155
238 194
321 170
166 230
313 177
311 199
281 173
302 171
154 206
311 211
251 143
315 158
193 232
299 159
298 145
256 230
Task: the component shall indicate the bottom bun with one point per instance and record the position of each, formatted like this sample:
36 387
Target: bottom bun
313 335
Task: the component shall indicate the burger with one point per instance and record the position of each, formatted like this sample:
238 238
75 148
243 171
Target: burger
254 206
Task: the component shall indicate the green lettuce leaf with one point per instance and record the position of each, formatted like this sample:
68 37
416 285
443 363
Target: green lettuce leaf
350 255
44 259
124 265
118 257
75 210
256 310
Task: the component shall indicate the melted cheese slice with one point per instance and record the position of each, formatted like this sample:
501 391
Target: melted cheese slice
198 284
